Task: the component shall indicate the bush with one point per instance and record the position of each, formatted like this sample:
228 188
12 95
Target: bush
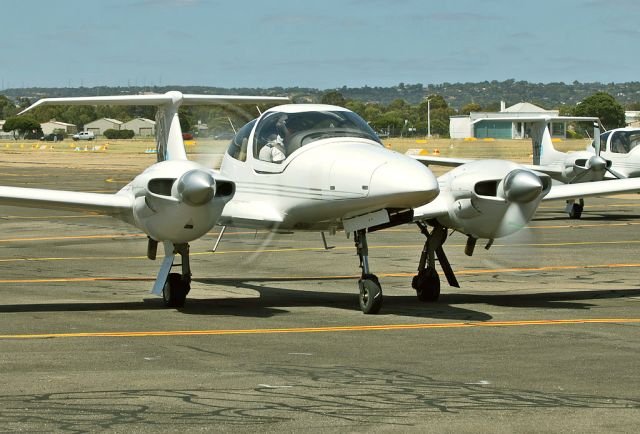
118 134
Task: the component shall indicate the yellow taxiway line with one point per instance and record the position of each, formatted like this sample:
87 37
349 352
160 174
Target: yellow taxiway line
330 277
385 327
303 249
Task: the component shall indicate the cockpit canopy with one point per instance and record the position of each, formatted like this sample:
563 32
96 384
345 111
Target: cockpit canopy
619 141
280 134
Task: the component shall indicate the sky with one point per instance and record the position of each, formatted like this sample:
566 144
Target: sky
320 44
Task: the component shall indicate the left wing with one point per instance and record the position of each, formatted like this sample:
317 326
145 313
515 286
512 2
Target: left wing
108 204
596 188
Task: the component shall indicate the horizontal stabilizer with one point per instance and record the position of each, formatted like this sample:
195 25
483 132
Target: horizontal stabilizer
172 97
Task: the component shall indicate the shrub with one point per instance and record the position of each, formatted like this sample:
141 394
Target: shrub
118 134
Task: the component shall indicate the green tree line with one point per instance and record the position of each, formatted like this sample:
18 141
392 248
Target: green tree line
397 118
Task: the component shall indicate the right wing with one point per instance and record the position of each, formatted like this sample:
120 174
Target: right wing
108 204
436 208
596 188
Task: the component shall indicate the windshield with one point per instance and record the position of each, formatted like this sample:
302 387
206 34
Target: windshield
278 134
622 142
238 146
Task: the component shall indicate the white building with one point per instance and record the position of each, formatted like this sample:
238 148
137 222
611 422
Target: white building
99 126
509 123
632 118
52 125
141 127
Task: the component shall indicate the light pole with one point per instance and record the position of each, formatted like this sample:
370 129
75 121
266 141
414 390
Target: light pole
428 117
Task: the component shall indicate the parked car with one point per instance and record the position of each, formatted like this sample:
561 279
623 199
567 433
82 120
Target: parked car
53 137
187 136
84 135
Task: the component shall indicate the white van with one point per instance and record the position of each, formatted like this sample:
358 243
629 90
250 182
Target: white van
84 135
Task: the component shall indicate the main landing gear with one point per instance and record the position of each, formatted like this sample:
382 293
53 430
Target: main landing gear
427 282
178 285
369 285
574 209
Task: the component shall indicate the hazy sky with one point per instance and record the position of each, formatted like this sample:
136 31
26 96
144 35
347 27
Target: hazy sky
321 44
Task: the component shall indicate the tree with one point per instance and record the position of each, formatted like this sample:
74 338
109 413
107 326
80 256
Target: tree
7 107
26 126
605 107
333 97
471 107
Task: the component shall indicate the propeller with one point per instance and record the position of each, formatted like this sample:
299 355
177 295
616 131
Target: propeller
598 149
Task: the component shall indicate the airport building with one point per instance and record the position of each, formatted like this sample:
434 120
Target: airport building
141 127
632 118
505 124
52 125
99 126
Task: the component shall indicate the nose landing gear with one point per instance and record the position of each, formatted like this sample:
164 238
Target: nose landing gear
369 285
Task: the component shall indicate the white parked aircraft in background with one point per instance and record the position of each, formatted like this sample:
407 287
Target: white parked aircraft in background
311 168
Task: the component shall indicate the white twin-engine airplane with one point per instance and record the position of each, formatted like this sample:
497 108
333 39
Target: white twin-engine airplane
312 168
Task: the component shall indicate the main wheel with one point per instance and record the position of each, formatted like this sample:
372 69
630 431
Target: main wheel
175 290
370 294
427 285
576 211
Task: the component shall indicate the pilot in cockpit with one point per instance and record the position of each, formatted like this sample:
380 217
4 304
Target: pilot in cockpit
274 150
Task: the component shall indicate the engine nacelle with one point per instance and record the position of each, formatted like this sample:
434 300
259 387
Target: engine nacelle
178 201
583 167
491 198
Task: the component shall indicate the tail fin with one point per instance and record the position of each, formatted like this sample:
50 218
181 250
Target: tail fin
543 150
168 132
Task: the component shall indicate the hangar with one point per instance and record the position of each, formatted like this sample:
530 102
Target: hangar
52 125
141 127
504 124
99 126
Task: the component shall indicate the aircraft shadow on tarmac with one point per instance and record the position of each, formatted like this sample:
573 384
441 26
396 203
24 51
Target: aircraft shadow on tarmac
274 301
590 216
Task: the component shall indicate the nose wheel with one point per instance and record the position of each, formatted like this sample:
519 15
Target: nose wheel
370 290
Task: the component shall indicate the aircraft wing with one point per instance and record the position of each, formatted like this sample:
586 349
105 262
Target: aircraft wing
108 204
440 161
436 208
548 170
597 188
554 172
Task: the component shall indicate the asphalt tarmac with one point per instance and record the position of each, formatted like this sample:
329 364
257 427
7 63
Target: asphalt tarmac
543 334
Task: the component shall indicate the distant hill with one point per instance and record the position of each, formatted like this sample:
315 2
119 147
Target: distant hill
547 95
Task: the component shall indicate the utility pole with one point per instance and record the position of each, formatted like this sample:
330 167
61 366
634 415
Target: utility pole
428 117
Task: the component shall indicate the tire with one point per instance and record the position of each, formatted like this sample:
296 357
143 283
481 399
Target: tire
427 285
576 211
370 294
175 290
